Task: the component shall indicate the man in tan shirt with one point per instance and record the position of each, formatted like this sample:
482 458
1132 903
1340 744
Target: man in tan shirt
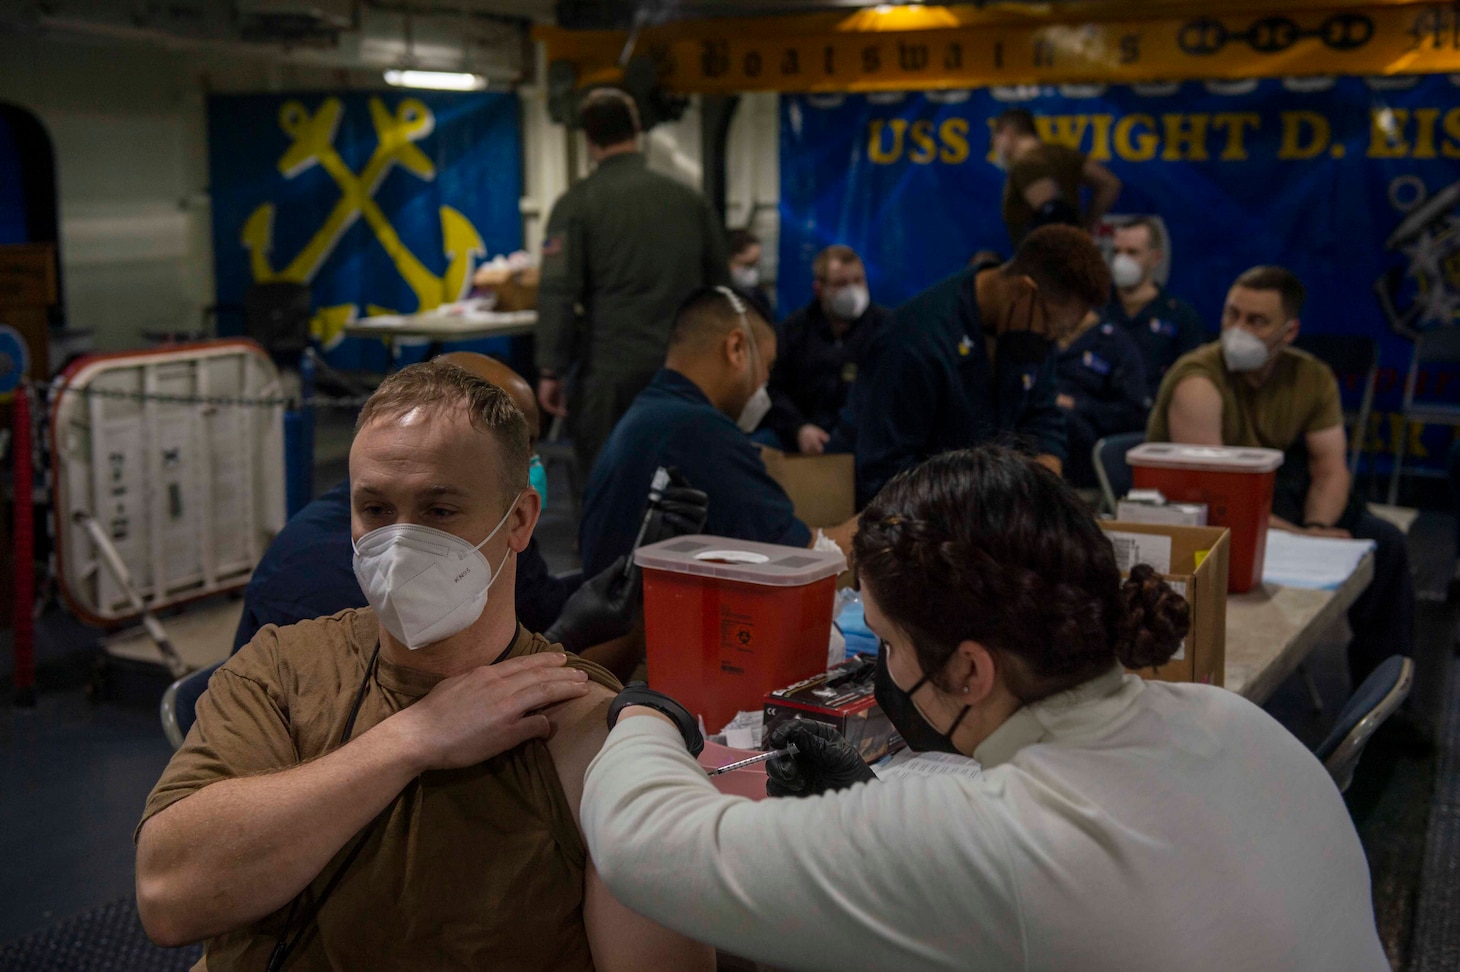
397 786
1253 388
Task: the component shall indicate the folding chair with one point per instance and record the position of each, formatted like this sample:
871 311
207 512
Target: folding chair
1111 469
1349 354
1373 702
1440 346
180 702
277 316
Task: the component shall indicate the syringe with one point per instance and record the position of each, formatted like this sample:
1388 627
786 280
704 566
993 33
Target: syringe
790 750
657 485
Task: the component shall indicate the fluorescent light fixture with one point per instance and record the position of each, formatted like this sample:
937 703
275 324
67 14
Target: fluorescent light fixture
438 80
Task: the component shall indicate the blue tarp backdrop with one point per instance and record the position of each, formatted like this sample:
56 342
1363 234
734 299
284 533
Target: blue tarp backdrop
12 193
1353 185
379 202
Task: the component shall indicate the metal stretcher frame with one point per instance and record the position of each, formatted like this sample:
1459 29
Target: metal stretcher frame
177 453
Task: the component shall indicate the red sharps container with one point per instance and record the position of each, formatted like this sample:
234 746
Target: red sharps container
727 621
1236 485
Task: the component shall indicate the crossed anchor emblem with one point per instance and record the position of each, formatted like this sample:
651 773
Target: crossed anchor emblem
313 144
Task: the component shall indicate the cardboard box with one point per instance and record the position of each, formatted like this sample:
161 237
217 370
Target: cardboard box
515 290
27 291
823 489
844 699
1173 551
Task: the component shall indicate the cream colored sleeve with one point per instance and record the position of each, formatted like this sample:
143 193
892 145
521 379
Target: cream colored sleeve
888 875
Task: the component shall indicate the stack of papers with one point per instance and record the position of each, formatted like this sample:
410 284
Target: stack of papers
745 730
906 764
1298 560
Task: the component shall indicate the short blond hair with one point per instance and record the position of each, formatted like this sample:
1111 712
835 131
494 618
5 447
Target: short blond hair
439 385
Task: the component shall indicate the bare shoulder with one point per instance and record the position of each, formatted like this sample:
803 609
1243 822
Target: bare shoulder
579 729
1197 387
1196 397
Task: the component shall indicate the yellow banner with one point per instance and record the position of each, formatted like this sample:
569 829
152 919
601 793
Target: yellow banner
921 48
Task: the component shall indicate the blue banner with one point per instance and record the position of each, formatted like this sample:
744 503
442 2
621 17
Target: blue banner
381 203
1353 185
12 190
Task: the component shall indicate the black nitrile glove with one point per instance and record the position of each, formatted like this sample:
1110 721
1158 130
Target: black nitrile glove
681 511
825 761
601 610
637 693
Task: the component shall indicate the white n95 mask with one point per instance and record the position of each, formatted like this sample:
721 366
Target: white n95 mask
759 402
746 278
851 302
424 584
1243 351
754 410
1126 270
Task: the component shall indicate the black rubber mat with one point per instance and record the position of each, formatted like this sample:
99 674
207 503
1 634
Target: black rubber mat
1436 946
108 938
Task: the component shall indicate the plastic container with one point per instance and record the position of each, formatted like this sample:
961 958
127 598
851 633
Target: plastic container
726 621
1235 484
853 622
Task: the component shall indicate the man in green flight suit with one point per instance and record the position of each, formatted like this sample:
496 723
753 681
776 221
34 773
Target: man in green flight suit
622 249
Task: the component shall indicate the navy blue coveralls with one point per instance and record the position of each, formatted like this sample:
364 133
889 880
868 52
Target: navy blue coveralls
1164 330
672 424
815 370
1102 371
927 386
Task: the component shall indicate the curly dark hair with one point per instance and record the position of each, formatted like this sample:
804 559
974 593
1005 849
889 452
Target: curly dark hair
1065 263
988 545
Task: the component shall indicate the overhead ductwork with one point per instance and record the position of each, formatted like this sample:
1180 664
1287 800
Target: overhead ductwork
314 22
485 38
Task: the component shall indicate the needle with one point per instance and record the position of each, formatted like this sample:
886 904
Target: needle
790 750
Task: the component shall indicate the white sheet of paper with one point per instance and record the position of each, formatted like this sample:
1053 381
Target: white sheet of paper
1298 560
1141 548
908 763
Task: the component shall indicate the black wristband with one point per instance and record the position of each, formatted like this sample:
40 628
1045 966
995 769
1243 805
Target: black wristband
638 693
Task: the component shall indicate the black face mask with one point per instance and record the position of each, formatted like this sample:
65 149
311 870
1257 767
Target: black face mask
1024 346
898 706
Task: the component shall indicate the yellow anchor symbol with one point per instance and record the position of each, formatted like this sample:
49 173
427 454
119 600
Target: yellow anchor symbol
313 144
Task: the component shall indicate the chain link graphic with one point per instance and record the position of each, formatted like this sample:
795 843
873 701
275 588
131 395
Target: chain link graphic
1206 36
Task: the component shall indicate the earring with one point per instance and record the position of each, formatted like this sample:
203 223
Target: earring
965 690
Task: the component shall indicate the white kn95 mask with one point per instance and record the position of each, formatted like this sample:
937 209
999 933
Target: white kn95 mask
424 584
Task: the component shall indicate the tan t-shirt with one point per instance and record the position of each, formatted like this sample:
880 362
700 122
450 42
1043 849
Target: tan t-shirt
1300 397
477 868
1058 162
